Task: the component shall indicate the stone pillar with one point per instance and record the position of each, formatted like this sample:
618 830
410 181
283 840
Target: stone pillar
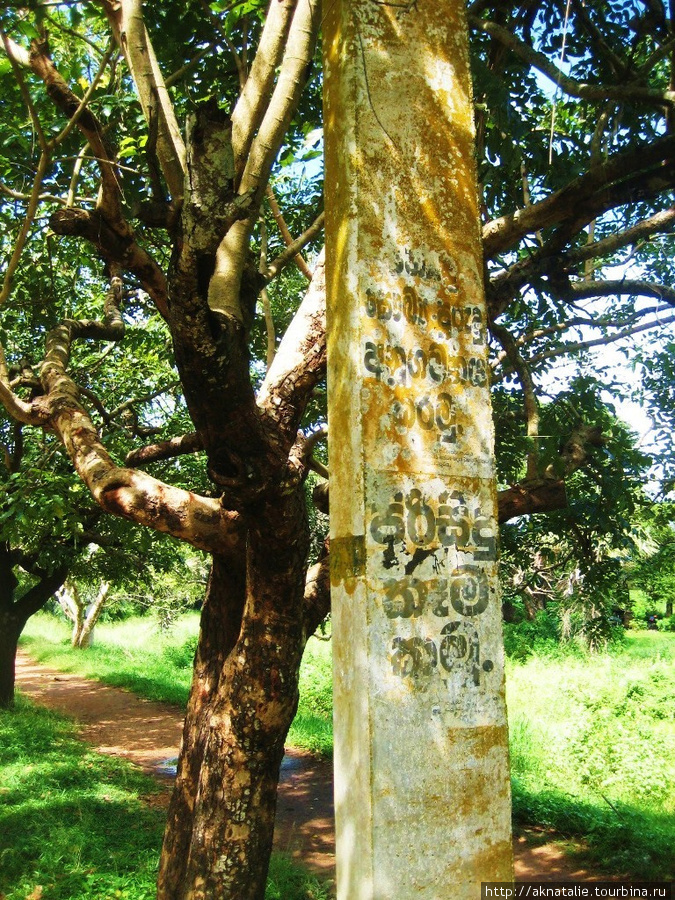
421 757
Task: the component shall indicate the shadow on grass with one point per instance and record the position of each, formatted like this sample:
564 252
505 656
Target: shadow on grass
619 839
75 825
72 824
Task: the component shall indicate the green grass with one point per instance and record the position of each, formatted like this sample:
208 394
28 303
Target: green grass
593 751
74 824
136 655
133 654
592 736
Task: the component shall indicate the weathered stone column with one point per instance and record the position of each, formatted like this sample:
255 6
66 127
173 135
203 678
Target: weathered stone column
421 759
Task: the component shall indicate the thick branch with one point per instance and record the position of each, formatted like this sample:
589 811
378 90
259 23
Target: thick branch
225 285
505 232
660 222
200 521
299 363
178 446
115 247
625 286
317 595
550 261
594 92
126 18
36 597
255 97
528 497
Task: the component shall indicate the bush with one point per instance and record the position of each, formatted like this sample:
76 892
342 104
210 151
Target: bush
542 635
181 656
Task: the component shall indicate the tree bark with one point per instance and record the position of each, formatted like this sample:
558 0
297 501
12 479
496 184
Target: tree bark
15 613
243 699
10 631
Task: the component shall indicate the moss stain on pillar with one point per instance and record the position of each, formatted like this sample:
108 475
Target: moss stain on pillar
421 752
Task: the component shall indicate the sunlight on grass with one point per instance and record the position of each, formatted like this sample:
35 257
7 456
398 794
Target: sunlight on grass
136 655
592 736
72 822
74 825
593 751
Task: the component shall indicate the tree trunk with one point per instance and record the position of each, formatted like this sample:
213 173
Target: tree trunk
15 613
10 631
91 615
669 607
243 699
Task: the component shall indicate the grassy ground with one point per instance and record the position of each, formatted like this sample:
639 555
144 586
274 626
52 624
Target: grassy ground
136 655
593 751
75 825
592 737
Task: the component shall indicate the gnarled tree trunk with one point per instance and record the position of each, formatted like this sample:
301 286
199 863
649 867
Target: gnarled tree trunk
244 696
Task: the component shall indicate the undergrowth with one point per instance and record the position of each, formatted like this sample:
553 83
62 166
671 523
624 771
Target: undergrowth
593 751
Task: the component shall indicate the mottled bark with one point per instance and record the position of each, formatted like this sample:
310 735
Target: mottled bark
243 699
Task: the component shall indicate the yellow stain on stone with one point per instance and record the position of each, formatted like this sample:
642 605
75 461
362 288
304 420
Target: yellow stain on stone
421 751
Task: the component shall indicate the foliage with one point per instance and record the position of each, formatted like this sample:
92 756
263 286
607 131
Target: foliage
572 562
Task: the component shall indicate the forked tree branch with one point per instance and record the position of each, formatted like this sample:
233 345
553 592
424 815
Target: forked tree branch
126 19
257 92
225 284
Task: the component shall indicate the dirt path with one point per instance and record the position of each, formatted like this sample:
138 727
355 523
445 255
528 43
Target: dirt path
148 734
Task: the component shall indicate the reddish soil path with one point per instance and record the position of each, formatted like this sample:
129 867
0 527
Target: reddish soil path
119 723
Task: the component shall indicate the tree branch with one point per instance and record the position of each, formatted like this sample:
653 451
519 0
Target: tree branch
584 91
292 251
255 96
507 341
590 190
299 363
225 284
200 521
126 19
178 446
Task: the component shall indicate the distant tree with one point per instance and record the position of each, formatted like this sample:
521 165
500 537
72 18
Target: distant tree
52 533
654 570
119 223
